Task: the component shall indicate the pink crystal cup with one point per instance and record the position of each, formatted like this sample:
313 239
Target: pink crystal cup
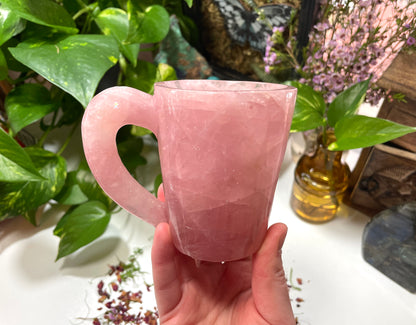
221 145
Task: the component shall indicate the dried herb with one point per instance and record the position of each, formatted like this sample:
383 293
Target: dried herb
118 303
291 284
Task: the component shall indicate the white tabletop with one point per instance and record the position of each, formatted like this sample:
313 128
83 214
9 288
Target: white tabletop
339 287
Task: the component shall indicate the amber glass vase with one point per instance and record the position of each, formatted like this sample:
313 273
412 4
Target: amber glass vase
321 179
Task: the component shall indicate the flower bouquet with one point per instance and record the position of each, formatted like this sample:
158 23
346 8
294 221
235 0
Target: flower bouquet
350 46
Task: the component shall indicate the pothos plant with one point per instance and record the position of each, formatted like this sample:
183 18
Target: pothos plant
352 131
53 55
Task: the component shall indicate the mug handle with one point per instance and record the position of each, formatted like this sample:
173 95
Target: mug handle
104 116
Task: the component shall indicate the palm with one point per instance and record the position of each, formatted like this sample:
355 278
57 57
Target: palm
213 293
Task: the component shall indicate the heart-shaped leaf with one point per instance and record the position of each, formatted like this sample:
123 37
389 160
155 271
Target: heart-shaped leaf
115 22
20 198
165 72
76 63
16 165
150 26
358 131
81 226
10 25
309 108
347 102
27 104
42 12
71 193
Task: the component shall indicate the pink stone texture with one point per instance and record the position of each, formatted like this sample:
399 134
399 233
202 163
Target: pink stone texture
221 145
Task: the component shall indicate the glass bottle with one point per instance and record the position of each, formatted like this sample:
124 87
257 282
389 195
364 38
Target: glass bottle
321 179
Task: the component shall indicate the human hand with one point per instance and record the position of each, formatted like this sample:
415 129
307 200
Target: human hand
250 291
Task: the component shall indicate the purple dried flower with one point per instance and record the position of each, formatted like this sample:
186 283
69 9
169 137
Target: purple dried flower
332 44
354 19
341 34
96 322
331 96
318 67
267 69
410 41
321 26
337 82
278 29
348 59
364 57
339 52
317 88
351 42
364 3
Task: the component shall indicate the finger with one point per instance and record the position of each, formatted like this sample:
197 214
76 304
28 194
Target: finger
165 277
269 285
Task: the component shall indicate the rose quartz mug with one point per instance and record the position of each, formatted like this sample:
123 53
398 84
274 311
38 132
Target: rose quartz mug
221 145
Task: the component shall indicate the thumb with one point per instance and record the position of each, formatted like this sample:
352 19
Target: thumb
269 284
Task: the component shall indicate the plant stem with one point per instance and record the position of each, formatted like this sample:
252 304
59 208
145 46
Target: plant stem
68 139
81 3
292 285
80 13
43 137
46 133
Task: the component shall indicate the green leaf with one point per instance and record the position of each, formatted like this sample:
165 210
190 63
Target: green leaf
139 131
89 185
347 102
129 151
16 165
358 131
165 72
142 77
76 64
72 111
71 193
107 3
4 70
158 181
81 226
12 63
150 26
114 22
39 34
189 3
20 198
43 12
10 25
27 104
309 108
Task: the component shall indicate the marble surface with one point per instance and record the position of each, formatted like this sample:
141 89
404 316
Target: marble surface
338 285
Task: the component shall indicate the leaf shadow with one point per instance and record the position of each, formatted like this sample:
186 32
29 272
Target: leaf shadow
94 259
18 228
